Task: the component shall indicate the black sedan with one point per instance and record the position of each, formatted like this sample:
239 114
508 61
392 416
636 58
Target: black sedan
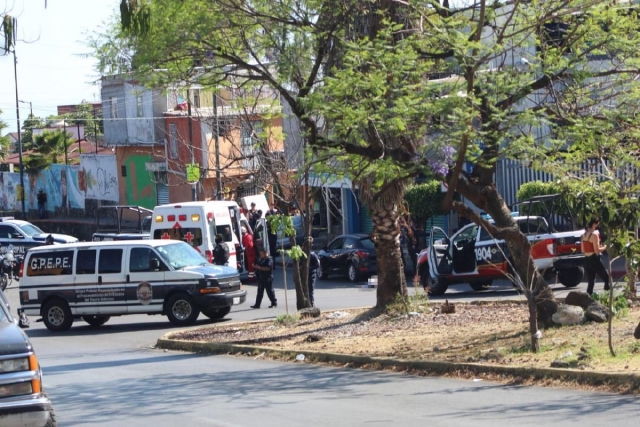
353 255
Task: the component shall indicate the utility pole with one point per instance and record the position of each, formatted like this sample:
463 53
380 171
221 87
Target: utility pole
217 148
15 72
95 128
193 186
79 146
64 134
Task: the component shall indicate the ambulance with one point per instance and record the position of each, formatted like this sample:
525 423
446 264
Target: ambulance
197 223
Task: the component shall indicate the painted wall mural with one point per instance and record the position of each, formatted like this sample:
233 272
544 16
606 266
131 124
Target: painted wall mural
59 182
98 177
140 184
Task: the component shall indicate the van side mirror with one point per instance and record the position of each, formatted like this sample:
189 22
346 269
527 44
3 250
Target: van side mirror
154 264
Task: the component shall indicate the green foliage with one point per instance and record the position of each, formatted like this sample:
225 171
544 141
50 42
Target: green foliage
424 200
4 140
287 319
537 188
50 147
620 307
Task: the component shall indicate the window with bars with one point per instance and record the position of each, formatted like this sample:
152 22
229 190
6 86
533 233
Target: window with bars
114 107
173 141
250 136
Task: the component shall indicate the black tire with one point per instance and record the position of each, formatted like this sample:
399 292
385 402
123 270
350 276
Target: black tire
352 273
322 275
181 310
435 287
96 320
56 315
217 313
571 277
481 286
4 282
53 421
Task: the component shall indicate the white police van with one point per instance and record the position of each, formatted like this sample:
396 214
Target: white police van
97 280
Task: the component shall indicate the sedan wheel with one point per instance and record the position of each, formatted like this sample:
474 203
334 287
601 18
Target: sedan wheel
353 273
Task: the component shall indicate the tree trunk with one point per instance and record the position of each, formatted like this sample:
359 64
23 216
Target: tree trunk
386 235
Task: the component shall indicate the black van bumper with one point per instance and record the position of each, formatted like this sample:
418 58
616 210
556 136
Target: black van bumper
226 299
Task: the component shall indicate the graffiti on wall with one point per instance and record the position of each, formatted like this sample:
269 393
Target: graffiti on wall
140 183
98 177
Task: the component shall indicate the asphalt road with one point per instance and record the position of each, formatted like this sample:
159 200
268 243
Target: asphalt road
112 376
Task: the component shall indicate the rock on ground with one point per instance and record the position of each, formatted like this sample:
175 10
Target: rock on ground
597 312
568 315
580 299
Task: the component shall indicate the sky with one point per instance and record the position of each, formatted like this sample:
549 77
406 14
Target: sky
50 72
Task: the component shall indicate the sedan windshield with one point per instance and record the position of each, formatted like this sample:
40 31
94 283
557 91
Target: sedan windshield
181 255
30 229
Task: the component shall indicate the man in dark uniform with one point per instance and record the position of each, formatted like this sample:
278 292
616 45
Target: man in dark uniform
264 270
314 264
220 251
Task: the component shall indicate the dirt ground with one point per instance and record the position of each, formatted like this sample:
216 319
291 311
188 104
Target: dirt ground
489 333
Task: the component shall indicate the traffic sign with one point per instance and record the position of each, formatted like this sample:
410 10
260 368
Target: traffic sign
193 173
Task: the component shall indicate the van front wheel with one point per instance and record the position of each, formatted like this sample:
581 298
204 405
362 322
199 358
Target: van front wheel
56 315
181 310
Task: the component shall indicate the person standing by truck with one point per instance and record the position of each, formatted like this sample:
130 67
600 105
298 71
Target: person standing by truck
220 252
249 249
592 250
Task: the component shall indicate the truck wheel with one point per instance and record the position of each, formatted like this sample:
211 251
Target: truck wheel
436 287
181 310
217 313
56 315
481 286
96 320
571 277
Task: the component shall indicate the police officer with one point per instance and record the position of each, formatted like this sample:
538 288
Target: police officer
220 252
264 274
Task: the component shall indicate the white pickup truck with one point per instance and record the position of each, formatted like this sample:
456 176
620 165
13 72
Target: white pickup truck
472 256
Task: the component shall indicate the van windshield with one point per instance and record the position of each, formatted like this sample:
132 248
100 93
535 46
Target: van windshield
180 255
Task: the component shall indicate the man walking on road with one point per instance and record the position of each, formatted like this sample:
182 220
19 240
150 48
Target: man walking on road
264 274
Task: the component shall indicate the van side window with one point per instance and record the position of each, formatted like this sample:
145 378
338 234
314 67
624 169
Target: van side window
139 259
86 262
110 261
52 263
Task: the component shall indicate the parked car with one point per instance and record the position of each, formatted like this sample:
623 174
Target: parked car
122 222
353 255
22 399
285 241
23 235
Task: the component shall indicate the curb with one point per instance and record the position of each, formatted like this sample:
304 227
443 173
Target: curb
628 381
621 382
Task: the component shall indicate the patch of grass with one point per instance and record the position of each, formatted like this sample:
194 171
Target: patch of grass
418 303
287 319
620 307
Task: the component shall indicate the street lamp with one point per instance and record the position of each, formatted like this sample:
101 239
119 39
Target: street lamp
30 107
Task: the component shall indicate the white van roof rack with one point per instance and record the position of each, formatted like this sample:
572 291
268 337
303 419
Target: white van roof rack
5 218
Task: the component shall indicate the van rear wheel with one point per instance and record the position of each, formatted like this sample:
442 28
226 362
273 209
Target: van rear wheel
217 313
181 310
56 315
96 320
